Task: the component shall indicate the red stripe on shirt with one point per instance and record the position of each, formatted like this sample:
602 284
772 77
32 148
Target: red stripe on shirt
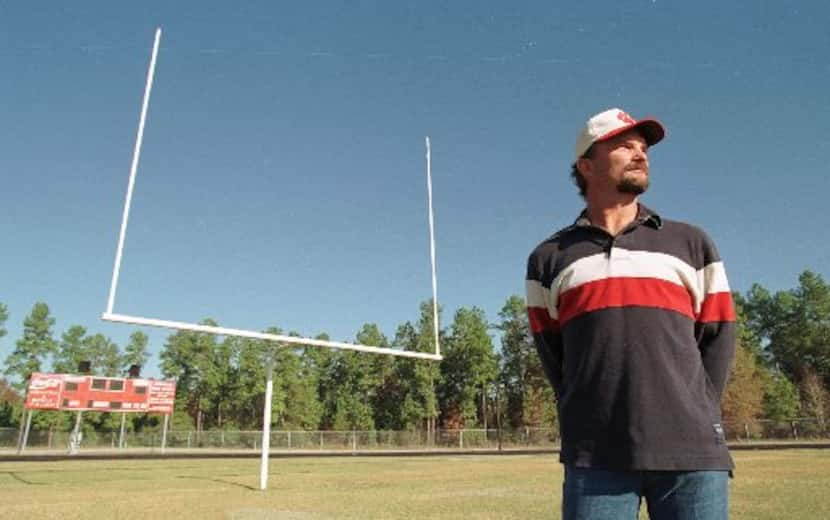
717 307
624 292
540 320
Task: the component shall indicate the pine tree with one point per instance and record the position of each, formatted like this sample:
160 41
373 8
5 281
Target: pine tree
32 350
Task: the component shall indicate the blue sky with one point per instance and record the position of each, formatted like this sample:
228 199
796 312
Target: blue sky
282 175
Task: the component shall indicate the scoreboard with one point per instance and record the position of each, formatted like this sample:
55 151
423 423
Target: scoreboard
100 394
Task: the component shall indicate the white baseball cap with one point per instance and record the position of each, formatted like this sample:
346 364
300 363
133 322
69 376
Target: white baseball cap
615 121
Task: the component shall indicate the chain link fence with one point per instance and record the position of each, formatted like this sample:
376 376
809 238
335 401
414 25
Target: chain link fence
339 441
769 430
300 441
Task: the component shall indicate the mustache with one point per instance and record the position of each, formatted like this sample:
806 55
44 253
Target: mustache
637 166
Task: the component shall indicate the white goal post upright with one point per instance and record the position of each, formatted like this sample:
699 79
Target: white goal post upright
432 247
278 340
151 71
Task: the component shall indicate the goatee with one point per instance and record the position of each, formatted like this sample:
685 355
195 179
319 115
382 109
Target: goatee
632 186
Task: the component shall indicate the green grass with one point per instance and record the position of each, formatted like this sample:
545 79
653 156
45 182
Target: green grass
768 485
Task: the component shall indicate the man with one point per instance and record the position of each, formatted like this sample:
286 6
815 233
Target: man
634 324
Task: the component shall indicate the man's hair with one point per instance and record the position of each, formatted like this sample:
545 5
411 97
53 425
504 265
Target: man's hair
577 177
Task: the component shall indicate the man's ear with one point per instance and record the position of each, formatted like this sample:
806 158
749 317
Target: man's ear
584 165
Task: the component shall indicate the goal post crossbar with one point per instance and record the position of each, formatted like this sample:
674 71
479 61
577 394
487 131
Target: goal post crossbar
278 338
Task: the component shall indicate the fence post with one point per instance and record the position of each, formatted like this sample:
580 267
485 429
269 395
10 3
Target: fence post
746 430
461 439
289 439
795 430
188 439
354 442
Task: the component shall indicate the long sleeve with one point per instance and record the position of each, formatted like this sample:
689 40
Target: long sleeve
715 324
544 326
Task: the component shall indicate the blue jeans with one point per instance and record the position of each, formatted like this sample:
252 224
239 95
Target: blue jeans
592 494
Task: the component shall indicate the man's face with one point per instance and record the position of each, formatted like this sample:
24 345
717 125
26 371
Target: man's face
619 165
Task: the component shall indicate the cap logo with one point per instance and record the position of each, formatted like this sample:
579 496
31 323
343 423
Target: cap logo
625 118
615 121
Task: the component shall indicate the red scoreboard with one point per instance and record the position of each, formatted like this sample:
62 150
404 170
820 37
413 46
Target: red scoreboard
100 394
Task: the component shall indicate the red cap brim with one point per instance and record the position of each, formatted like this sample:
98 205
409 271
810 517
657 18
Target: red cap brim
651 129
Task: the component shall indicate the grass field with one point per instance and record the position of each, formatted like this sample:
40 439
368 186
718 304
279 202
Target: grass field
768 485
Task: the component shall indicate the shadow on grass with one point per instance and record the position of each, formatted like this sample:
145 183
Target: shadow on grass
18 478
220 481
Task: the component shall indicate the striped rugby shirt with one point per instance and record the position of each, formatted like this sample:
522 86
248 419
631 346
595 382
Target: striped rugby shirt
636 334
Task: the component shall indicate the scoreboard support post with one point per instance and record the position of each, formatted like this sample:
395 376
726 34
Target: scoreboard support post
24 432
75 439
164 432
123 427
21 429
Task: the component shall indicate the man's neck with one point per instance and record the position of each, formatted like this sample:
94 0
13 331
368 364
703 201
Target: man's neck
614 217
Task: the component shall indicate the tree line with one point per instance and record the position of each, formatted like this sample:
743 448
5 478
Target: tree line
490 375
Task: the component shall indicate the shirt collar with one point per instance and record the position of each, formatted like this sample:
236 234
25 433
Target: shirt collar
645 215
